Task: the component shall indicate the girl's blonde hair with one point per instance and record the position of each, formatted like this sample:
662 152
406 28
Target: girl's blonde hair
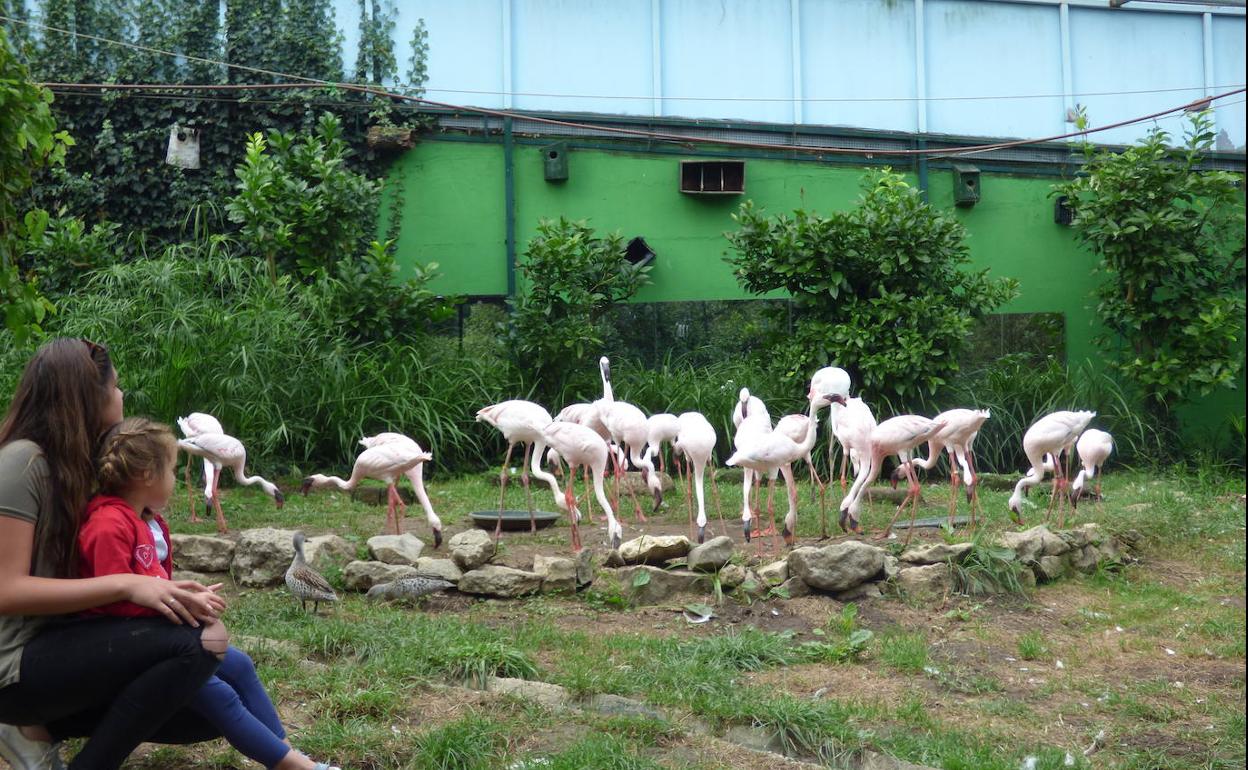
135 450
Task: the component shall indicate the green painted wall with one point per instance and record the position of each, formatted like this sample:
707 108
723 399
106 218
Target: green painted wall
452 212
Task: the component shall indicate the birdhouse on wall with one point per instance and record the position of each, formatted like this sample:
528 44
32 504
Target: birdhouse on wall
183 149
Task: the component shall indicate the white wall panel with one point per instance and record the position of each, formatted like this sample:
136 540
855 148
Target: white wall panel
858 49
993 49
1228 69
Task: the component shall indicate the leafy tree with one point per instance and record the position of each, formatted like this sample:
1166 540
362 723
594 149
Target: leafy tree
880 290
375 61
1170 238
31 141
418 62
572 278
298 204
310 40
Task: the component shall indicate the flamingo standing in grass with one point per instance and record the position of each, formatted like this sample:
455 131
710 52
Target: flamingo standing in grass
1052 434
832 379
660 428
695 440
853 433
521 422
896 436
766 450
385 462
957 438
194 424
224 451
415 475
581 446
754 406
1094 447
629 429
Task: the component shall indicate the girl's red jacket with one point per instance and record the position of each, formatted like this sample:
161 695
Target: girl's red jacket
114 540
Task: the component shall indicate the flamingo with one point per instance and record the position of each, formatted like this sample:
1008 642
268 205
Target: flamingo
765 450
385 462
582 446
1052 434
520 422
224 451
660 428
628 427
853 433
194 424
757 410
1094 447
895 436
695 440
415 475
794 426
957 437
832 379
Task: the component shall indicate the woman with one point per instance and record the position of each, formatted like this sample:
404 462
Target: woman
119 681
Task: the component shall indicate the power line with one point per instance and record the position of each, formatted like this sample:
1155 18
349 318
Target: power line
647 135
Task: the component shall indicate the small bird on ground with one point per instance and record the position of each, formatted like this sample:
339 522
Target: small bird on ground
305 583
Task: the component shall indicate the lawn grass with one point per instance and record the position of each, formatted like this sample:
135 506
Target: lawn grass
1152 654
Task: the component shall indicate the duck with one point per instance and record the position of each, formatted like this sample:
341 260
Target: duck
305 583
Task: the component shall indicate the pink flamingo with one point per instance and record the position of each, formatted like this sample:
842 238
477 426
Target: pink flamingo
895 436
415 475
224 451
1094 447
1054 434
832 379
754 406
695 440
582 446
194 424
385 462
957 438
853 433
628 427
520 422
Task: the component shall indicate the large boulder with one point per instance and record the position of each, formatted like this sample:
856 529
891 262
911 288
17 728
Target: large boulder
324 551
930 582
395 549
860 593
442 568
774 573
937 553
654 549
363 575
1052 567
557 573
200 553
1033 543
503 582
731 576
471 549
584 567
711 555
659 585
262 556
837 567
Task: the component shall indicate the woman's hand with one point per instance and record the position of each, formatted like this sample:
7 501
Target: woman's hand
179 604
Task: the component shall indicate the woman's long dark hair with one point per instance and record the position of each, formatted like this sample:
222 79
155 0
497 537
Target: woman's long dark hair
60 405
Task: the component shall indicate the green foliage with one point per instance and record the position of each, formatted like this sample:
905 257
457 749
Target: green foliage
843 651
299 206
1170 240
572 277
472 742
902 652
31 142
1031 646
59 250
476 662
418 62
988 569
880 289
375 61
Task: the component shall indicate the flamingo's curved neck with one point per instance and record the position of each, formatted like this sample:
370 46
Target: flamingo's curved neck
607 393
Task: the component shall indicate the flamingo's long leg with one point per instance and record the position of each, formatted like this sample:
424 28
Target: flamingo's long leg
190 492
216 504
502 482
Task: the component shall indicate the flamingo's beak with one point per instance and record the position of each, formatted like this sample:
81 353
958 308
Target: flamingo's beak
437 539
279 498
701 535
307 486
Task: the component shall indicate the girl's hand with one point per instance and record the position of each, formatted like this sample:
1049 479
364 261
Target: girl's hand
177 604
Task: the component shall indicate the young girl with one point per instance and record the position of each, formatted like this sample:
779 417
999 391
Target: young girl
122 533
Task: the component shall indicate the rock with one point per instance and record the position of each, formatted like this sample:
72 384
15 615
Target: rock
201 553
614 559
584 567
324 551
1027 577
616 705
838 567
1130 539
440 568
654 550
930 582
363 575
198 577
936 553
262 556
892 567
755 738
408 589
775 573
795 587
711 555
471 549
731 576
1109 552
1052 567
395 549
873 760
753 585
860 593
1085 559
1033 543
550 695
557 573
659 585
503 582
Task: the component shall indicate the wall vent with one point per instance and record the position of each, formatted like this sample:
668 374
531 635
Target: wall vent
720 177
